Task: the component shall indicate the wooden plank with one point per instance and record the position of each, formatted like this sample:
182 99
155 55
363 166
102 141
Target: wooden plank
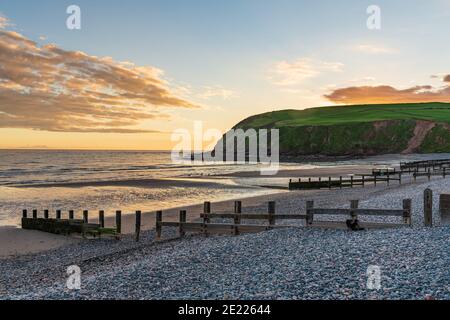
255 216
343 226
330 211
379 212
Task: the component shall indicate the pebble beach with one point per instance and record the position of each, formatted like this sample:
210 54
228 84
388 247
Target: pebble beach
293 263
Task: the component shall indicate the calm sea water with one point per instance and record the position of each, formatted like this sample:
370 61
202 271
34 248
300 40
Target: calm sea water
23 172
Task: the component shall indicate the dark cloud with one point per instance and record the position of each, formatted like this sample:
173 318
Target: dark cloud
48 88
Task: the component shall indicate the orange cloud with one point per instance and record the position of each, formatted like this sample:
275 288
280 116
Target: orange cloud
388 94
48 88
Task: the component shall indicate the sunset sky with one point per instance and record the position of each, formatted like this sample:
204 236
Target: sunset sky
138 70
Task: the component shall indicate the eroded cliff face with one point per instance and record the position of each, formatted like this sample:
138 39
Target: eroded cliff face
364 139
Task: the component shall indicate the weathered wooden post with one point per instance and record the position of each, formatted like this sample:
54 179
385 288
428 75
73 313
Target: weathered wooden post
375 180
329 183
206 211
353 206
58 214
340 182
35 214
206 217
444 172
388 177
25 213
45 214
407 211
363 181
138 225
444 208
85 216
309 213
182 222
119 221
399 178
351 181
237 216
101 218
271 212
158 224
429 174
71 214
428 207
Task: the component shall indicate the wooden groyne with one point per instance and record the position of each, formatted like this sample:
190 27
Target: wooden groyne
239 222
425 165
267 221
341 182
69 226
387 175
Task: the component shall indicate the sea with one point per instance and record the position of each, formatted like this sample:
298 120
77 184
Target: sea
134 180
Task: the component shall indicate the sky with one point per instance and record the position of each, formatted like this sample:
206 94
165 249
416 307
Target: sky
138 70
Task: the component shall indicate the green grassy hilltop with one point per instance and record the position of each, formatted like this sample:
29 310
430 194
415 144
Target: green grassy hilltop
359 129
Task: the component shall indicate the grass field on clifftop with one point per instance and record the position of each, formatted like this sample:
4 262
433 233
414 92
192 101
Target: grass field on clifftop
439 112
